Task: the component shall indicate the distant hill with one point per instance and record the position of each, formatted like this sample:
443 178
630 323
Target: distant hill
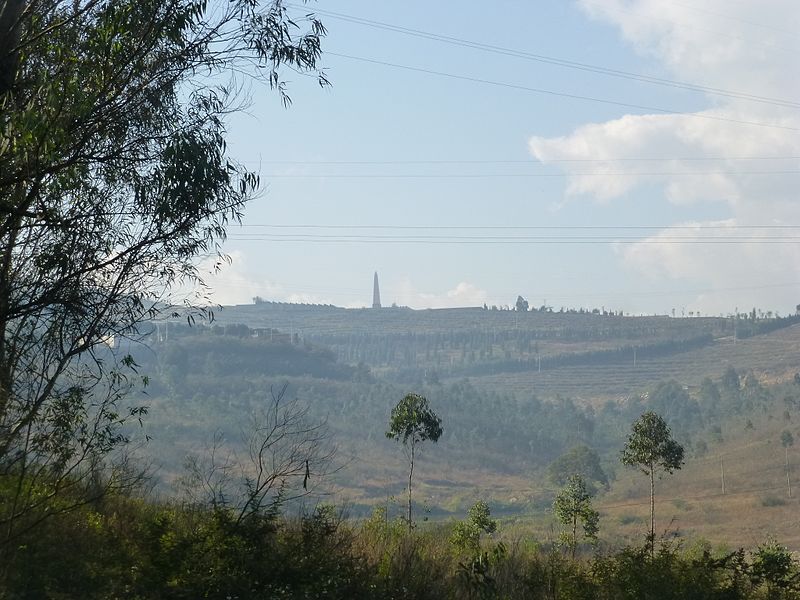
574 353
514 390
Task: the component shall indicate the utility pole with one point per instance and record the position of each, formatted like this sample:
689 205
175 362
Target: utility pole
788 480
722 473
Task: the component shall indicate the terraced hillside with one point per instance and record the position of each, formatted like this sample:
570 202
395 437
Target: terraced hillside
581 354
774 356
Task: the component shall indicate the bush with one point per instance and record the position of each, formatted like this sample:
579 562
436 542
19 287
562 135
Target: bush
772 501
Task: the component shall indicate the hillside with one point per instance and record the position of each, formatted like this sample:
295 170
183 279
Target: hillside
586 356
582 354
751 459
774 356
501 430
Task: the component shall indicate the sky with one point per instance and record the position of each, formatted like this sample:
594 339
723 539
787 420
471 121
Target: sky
635 155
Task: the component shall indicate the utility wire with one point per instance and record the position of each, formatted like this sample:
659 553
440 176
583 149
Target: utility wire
563 94
523 162
523 175
498 241
558 61
526 227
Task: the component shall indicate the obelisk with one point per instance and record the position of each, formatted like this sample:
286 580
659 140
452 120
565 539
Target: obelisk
376 293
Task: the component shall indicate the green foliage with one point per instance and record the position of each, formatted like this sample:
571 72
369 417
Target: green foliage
573 505
771 501
580 460
466 536
672 402
772 565
787 439
130 548
412 421
651 448
114 179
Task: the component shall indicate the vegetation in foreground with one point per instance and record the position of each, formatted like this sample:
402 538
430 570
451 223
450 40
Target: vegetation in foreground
225 545
123 547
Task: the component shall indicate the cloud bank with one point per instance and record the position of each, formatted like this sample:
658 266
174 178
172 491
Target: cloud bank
749 47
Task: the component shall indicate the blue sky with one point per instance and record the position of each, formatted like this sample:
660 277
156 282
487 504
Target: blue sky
396 154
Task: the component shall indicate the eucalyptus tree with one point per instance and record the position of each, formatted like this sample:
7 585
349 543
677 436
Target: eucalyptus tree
573 505
114 179
650 447
412 422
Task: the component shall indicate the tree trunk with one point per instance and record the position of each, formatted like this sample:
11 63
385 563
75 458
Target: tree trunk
574 533
652 510
10 31
410 475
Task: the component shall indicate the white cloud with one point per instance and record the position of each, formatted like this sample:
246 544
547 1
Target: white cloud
746 46
463 294
233 283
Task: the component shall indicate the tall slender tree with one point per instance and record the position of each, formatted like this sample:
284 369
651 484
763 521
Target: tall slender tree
412 422
650 447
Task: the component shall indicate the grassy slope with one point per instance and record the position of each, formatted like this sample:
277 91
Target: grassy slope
756 502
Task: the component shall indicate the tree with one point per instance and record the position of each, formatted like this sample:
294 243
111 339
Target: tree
787 441
574 504
730 380
467 534
651 448
580 460
287 454
412 422
522 304
114 179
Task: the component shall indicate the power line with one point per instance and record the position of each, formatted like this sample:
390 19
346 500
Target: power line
523 227
525 162
323 239
511 234
557 61
523 175
283 288
562 94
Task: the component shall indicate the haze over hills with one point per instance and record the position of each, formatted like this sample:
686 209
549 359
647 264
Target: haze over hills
515 391
578 353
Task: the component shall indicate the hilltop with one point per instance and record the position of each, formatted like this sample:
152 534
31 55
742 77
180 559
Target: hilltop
585 354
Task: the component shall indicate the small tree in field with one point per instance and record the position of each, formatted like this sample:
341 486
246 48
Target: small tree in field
574 504
412 422
650 447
